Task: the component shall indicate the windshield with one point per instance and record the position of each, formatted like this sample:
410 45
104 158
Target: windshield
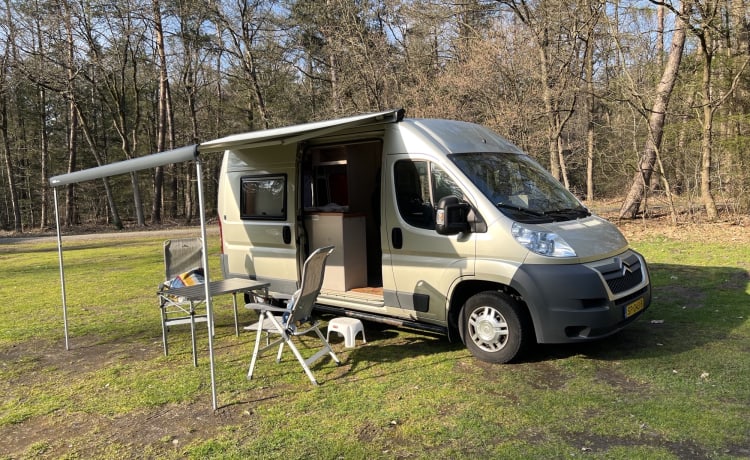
519 187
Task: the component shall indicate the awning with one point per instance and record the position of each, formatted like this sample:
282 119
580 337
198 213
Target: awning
297 133
253 139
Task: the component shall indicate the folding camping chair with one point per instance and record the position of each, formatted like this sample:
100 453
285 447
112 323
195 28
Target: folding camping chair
182 266
294 320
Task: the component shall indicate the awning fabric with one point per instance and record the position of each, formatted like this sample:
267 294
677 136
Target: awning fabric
297 133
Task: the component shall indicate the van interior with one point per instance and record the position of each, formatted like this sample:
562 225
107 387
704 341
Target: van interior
341 206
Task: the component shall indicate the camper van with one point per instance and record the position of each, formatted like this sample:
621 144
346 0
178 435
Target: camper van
438 225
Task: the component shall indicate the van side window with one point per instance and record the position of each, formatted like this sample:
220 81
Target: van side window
419 186
443 185
263 197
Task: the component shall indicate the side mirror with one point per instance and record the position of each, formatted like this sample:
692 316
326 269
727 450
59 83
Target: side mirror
452 216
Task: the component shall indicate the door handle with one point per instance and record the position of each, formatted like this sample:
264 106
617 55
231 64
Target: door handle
286 234
397 238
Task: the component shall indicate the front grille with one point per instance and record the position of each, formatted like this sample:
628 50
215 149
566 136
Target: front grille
623 283
622 274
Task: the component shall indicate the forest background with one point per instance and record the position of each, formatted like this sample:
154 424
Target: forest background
640 102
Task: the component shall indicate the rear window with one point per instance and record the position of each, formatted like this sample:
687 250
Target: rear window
263 197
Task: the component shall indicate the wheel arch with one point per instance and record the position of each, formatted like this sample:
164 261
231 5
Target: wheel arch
464 290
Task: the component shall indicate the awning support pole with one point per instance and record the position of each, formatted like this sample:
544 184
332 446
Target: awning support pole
209 303
62 270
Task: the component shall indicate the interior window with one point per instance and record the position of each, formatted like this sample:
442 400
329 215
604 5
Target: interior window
419 186
263 197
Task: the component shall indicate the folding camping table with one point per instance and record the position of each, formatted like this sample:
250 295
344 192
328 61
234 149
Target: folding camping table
197 293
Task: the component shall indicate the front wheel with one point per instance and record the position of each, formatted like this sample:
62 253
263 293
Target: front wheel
495 328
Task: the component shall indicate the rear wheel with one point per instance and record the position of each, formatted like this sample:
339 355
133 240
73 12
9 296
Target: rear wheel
495 327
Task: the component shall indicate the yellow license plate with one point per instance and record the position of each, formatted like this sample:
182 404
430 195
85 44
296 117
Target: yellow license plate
633 308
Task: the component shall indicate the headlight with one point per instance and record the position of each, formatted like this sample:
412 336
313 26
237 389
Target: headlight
544 243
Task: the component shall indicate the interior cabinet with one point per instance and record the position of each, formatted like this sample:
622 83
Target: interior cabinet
346 267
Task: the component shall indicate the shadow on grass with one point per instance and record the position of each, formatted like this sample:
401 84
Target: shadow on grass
692 306
386 345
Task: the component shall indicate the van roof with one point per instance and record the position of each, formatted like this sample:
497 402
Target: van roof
460 136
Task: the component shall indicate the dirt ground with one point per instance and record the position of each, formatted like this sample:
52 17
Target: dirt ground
80 435
145 429
139 430
735 230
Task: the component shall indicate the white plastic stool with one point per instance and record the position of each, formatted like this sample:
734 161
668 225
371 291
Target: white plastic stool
348 327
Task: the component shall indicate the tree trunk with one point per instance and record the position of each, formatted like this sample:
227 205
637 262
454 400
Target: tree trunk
642 177
257 90
72 135
44 156
12 187
336 102
70 207
43 137
561 156
190 171
137 202
667 189
588 67
550 106
590 120
682 181
660 11
707 197
161 116
5 65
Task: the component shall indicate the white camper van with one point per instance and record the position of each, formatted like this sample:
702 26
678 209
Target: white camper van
439 225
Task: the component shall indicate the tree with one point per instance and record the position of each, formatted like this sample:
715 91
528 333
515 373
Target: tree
556 27
703 20
706 25
244 33
9 170
164 117
118 65
71 217
656 118
6 147
88 135
93 81
196 42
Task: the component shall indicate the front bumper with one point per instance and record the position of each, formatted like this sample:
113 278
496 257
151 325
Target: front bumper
571 303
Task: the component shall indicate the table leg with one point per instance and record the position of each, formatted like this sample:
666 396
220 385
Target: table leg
192 334
236 322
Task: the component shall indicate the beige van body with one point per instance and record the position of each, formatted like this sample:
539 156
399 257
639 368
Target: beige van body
440 225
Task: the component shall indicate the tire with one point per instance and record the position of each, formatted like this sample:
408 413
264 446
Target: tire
494 327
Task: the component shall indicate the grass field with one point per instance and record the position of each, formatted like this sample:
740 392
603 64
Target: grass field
674 385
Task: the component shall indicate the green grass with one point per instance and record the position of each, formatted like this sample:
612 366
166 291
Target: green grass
675 384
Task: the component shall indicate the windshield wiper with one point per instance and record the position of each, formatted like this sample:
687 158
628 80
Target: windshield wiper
568 212
513 207
548 216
